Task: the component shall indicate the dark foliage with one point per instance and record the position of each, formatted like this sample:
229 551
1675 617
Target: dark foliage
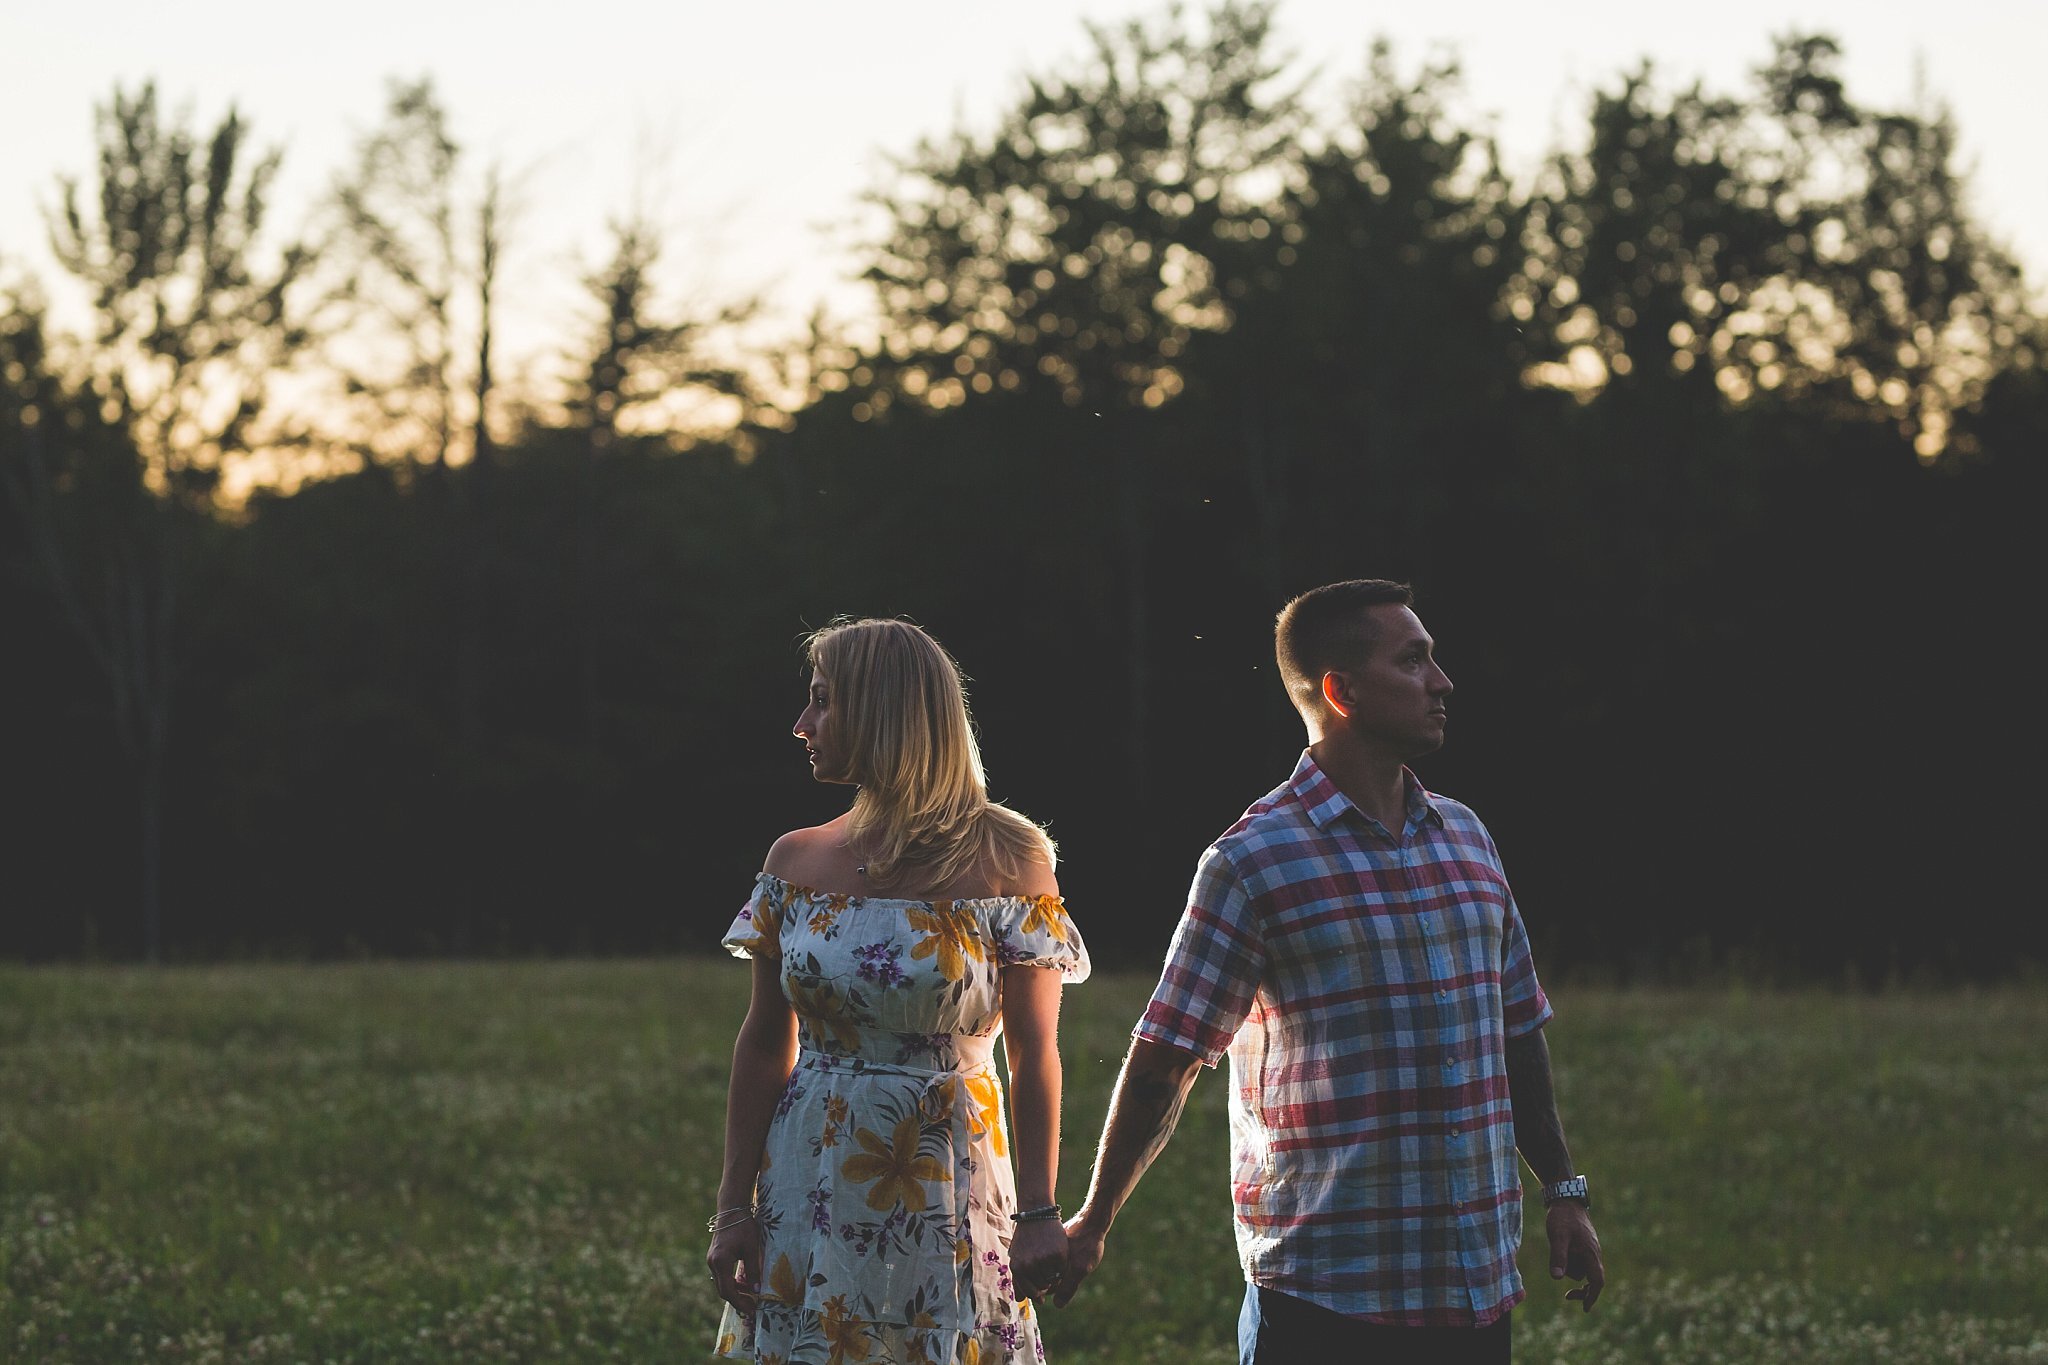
1709 457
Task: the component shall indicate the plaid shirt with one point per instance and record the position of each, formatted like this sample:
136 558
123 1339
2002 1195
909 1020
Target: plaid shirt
1364 988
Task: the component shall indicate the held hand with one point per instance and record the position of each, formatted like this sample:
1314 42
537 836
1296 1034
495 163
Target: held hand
1038 1257
1575 1251
1084 1253
735 1261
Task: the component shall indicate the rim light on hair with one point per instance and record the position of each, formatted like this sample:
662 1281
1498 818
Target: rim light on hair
901 723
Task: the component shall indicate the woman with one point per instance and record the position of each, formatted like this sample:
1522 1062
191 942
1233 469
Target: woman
869 1211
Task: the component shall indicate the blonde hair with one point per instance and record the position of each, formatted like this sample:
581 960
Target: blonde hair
900 721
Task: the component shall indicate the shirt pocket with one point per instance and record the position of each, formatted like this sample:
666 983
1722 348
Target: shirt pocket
1474 914
1328 948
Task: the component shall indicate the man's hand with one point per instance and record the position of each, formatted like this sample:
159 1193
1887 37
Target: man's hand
1084 1253
1038 1256
1575 1251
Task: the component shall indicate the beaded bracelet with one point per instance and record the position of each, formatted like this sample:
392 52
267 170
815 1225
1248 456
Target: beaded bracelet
1044 1213
723 1219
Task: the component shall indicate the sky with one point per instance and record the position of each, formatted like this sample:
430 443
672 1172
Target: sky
749 129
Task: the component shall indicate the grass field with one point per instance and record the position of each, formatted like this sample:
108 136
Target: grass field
453 1163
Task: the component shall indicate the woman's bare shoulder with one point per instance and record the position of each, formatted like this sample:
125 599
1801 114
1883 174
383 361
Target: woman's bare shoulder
1034 877
800 855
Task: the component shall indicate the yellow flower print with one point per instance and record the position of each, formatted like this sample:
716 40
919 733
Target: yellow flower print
824 1008
1046 914
782 1285
726 1341
949 933
766 921
970 1351
844 1331
895 1167
836 1110
987 1114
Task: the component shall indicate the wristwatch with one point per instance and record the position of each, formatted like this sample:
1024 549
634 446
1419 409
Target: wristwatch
1572 1187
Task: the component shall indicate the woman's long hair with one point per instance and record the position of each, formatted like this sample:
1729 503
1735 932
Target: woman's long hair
900 721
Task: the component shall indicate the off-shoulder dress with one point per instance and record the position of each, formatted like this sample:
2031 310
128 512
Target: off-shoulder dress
885 1191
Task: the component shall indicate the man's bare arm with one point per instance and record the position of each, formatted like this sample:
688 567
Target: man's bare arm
1151 1092
1539 1135
1539 1132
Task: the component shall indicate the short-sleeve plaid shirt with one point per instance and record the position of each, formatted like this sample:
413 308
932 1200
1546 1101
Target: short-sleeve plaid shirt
1364 988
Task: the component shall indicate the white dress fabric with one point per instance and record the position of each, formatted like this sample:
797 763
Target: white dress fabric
885 1191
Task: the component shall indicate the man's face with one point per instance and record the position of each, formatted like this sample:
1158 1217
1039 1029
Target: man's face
1395 700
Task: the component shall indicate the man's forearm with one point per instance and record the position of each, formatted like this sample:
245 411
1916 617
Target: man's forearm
1151 1091
1539 1132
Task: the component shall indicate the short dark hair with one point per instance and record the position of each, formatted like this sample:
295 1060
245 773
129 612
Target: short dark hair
1329 628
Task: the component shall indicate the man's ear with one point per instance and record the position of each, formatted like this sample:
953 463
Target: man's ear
1337 693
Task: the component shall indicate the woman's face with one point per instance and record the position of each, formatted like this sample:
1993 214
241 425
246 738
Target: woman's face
814 728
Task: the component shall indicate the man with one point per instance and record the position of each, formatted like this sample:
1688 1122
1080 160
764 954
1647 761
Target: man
1352 943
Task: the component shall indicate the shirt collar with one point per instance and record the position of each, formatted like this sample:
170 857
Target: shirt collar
1325 804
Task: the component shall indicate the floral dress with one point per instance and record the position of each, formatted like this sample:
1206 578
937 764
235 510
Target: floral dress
885 1190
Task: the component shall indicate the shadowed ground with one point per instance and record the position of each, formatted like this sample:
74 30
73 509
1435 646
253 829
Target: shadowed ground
437 1163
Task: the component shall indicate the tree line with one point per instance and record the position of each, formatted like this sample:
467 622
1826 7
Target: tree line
1707 448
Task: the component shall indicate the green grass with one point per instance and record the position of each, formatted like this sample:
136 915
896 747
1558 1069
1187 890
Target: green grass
452 1163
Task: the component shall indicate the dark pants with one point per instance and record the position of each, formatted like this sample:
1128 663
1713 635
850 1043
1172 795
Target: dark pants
1278 1329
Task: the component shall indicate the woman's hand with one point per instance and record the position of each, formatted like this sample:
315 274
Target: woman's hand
762 1058
1038 1257
735 1261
